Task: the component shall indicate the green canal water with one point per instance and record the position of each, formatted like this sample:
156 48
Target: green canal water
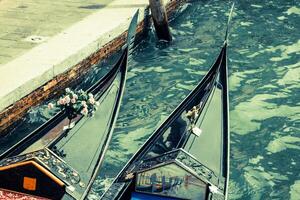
264 70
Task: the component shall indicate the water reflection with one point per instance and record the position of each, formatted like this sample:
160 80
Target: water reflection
171 138
264 91
171 181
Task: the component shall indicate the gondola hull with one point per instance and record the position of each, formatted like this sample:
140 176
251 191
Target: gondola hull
53 163
177 147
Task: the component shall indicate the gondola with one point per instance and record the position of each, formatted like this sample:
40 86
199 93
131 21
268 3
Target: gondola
52 163
187 157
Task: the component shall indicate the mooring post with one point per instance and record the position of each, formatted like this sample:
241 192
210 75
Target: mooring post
160 20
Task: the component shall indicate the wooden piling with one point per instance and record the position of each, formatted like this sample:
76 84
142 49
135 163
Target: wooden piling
160 20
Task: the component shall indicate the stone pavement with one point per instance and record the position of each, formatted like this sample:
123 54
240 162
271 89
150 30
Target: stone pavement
27 23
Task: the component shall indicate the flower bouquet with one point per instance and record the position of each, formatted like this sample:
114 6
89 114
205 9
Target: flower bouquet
76 103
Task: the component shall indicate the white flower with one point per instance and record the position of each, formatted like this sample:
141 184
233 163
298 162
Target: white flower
97 103
75 96
68 90
50 106
92 100
197 131
91 95
129 176
214 189
189 114
193 113
73 100
83 103
84 111
67 99
61 102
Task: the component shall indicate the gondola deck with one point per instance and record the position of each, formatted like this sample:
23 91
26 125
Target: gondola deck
54 163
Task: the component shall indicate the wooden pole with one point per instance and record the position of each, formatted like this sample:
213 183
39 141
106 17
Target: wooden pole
160 20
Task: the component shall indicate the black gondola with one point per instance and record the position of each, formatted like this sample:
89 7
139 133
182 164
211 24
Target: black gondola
177 161
54 163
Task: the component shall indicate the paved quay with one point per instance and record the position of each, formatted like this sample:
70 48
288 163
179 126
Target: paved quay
45 42
26 24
